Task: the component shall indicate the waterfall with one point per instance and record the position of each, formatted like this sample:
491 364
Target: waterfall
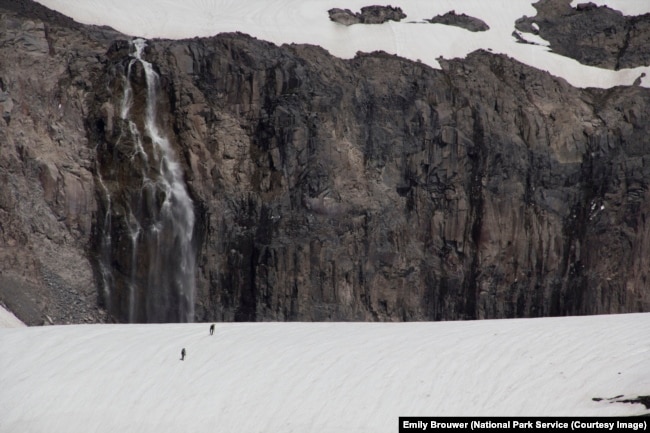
157 216
107 282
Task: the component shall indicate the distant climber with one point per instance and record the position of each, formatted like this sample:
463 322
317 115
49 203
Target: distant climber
183 354
212 329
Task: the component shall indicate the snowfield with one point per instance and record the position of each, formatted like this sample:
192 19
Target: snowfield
300 21
317 377
8 320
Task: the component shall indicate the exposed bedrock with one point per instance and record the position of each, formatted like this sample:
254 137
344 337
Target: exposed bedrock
368 15
593 35
381 189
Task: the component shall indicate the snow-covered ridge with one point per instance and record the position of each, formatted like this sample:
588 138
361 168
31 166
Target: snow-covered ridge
298 21
319 377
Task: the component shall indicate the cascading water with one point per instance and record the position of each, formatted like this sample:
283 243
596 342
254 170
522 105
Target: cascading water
156 218
105 244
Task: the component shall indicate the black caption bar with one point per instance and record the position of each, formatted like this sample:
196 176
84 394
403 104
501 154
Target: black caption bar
413 424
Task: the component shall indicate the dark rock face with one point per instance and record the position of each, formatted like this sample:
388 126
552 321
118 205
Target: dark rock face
47 193
368 15
460 20
343 16
593 35
380 189
323 189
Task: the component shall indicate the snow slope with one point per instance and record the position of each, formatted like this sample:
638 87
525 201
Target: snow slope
319 377
299 21
8 320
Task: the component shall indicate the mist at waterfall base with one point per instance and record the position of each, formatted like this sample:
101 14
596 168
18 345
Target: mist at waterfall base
159 220
317 377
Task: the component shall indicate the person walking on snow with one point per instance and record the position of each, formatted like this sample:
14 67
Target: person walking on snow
183 354
212 329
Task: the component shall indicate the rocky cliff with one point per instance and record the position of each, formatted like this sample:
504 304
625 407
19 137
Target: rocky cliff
47 193
321 189
593 35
